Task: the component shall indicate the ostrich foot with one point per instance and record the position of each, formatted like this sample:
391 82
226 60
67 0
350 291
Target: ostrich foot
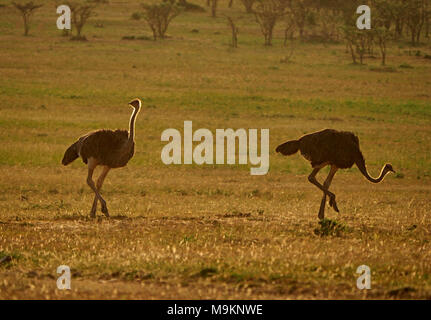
105 209
333 203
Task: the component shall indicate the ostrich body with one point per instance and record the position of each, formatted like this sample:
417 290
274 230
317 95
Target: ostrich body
338 149
107 148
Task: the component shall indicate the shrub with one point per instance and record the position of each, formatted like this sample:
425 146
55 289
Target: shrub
405 66
136 16
383 69
330 227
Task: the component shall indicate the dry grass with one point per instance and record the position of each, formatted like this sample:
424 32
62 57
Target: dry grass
193 232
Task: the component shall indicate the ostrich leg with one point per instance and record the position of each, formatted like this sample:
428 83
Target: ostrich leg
312 179
99 186
322 208
92 164
326 185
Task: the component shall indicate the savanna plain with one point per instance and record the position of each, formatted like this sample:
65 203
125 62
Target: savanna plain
210 231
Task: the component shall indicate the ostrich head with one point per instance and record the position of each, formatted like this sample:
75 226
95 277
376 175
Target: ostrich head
136 104
388 168
70 155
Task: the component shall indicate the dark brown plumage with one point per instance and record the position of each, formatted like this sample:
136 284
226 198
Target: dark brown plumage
107 148
338 149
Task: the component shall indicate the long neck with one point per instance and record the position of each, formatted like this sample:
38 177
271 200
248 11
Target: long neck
132 125
361 166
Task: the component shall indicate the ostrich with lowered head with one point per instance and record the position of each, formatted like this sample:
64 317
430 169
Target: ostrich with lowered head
338 149
107 148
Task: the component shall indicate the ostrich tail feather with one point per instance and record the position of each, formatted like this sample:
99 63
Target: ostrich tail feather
288 148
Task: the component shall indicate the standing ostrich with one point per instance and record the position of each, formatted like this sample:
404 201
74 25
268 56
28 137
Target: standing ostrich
107 148
338 149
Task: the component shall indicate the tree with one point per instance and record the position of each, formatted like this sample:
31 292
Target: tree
329 23
350 34
234 29
398 15
428 24
323 17
81 11
159 16
248 4
428 20
267 13
290 50
213 5
289 29
26 10
382 36
416 13
361 44
299 11
386 12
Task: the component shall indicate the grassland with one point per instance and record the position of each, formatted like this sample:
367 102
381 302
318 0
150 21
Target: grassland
188 231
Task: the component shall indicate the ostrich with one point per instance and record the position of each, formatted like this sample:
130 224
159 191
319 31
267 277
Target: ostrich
338 149
107 148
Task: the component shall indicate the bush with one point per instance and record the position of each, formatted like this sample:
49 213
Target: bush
143 38
136 38
136 16
330 227
405 66
383 69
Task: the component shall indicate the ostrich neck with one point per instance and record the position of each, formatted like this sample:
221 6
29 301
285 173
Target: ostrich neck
363 169
132 125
